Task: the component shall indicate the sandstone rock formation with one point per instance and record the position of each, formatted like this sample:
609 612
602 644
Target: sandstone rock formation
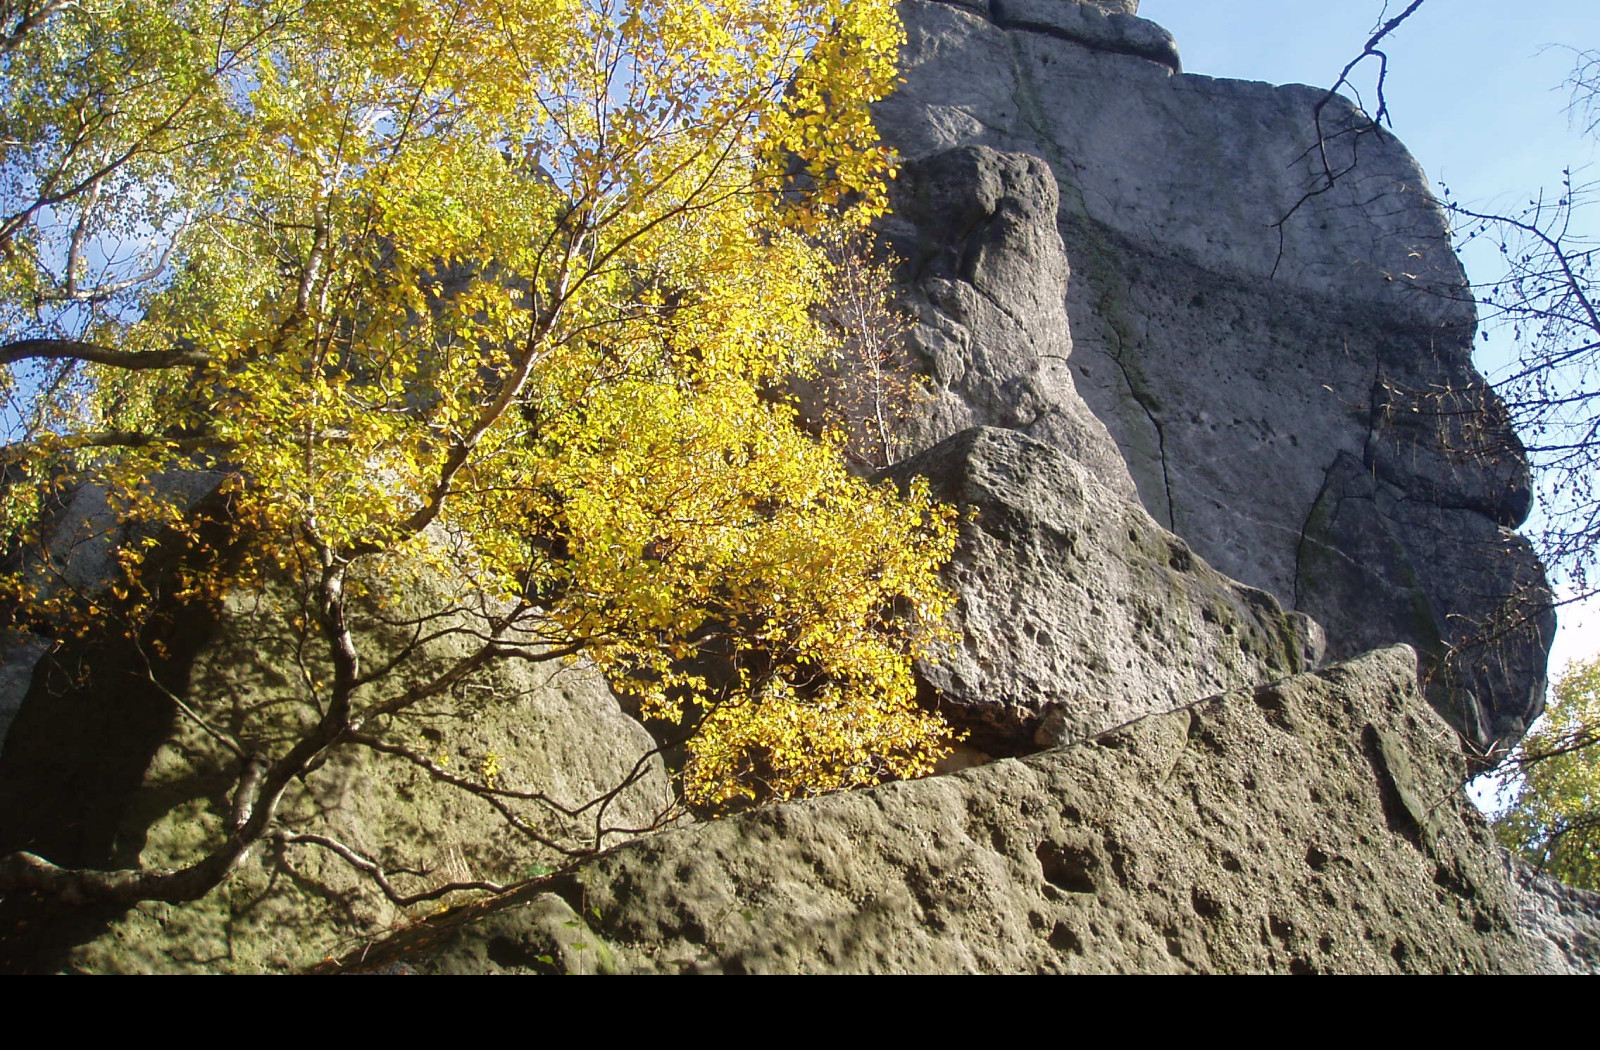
1078 612
1182 434
1285 373
1560 924
984 266
1315 825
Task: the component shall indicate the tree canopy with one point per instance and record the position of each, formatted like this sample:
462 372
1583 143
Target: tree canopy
1554 821
506 287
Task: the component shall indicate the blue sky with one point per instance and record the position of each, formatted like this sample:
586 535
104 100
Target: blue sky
1475 90
1474 86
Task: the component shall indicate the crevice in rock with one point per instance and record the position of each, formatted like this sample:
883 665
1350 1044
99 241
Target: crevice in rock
1142 400
512 955
1069 867
1305 531
1005 310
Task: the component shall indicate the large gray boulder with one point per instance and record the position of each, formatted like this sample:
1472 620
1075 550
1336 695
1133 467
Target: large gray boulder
1078 612
1249 344
1315 825
1203 390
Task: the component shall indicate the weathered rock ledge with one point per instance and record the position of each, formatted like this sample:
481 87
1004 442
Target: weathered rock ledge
1313 825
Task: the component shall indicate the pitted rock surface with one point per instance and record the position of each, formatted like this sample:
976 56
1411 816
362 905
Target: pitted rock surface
1078 612
1312 826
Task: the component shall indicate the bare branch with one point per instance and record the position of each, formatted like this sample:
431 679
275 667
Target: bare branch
375 871
205 725
1328 175
1584 80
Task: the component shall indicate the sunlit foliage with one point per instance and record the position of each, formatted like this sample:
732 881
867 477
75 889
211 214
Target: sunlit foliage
1554 822
506 283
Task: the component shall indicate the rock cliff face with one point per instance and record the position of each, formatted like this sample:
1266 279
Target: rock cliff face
1213 467
1284 370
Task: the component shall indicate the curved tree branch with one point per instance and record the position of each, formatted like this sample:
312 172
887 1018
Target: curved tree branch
375 871
28 18
78 350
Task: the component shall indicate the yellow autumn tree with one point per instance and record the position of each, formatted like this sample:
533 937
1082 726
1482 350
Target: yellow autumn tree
1553 821
504 287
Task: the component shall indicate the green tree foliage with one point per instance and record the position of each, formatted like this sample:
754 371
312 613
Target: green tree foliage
505 285
1554 822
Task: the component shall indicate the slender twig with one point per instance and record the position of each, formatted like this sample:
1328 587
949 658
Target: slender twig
375 871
